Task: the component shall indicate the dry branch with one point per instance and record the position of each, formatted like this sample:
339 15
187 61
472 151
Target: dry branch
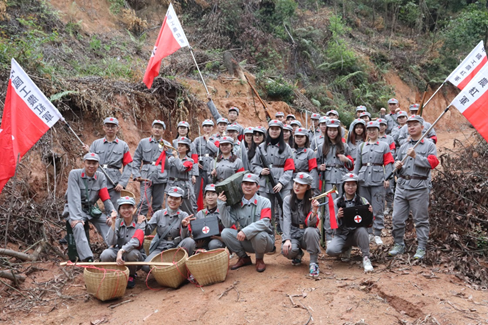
19 255
11 276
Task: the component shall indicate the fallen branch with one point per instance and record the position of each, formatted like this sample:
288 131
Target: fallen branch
300 306
232 287
117 305
11 276
19 255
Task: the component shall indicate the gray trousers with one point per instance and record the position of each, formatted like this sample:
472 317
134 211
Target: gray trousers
341 243
154 192
376 197
329 232
114 196
260 244
209 245
309 241
110 255
186 244
416 201
276 214
82 245
390 194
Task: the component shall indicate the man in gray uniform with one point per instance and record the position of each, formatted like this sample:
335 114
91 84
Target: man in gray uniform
412 191
404 136
314 129
114 154
232 116
152 174
85 187
248 225
392 117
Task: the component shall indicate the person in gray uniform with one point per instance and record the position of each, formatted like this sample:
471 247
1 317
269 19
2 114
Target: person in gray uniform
289 118
412 191
288 132
373 161
232 116
305 158
402 120
149 164
392 116
248 132
126 238
85 187
318 141
280 116
300 224
227 162
314 128
222 124
248 224
359 110
388 139
259 133
184 131
180 167
280 157
366 116
172 227
295 125
403 137
347 237
114 154
333 161
238 146
334 115
356 136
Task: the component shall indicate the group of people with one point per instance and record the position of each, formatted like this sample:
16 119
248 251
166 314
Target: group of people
285 166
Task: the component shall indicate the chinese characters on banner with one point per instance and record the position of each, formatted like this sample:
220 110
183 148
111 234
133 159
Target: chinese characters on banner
470 66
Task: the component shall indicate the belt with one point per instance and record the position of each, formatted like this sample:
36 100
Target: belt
371 164
298 225
334 165
176 179
110 166
407 177
144 162
277 166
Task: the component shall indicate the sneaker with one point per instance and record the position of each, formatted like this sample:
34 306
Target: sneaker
298 259
419 254
367 264
314 270
371 238
397 249
378 241
346 256
131 283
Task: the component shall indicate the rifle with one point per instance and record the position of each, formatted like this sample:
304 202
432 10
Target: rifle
106 175
268 117
421 108
271 179
322 217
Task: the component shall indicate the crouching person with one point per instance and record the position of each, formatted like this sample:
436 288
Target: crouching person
172 227
126 238
300 221
347 237
248 224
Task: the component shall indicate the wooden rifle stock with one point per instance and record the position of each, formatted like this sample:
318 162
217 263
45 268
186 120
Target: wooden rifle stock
268 117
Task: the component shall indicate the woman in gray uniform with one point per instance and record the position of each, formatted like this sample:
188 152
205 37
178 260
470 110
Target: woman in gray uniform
356 136
227 162
304 158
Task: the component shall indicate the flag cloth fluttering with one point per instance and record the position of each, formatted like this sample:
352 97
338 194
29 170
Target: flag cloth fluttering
470 66
170 39
27 115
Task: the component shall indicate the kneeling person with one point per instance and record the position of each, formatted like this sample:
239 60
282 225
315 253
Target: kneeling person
347 237
300 221
248 224
172 227
126 238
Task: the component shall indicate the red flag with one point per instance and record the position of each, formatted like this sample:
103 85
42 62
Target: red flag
472 102
170 39
27 115
470 66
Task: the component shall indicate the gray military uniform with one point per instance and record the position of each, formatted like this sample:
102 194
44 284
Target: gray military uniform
305 161
391 120
77 201
226 168
208 243
206 150
113 156
216 115
403 135
180 175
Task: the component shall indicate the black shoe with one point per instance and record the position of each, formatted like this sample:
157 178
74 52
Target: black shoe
131 283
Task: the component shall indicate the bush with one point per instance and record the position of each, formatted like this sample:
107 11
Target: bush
279 89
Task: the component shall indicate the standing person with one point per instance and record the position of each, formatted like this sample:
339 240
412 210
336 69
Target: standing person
382 112
258 136
153 178
126 238
356 136
304 158
114 154
392 116
395 133
232 116
222 124
333 160
314 128
388 139
247 225
288 134
280 116
373 161
403 137
334 115
412 191
248 133
347 237
184 131
172 227
279 156
85 187
318 141
295 125
365 116
300 221
180 166
238 147
227 162
359 110
289 118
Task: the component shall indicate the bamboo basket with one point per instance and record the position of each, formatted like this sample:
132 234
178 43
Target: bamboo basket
127 193
209 267
147 243
170 276
106 282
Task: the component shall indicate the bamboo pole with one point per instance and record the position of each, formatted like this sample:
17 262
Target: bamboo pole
115 263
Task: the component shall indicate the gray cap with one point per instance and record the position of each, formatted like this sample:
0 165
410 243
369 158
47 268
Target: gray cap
159 122
126 200
233 108
414 107
251 178
373 124
91 156
303 178
275 123
363 114
210 187
295 122
402 113
279 114
301 131
223 120
232 127
184 140
332 112
333 123
184 124
393 101
249 130
260 129
323 119
361 108
382 121
224 140
175 191
350 177
208 122
315 116
291 115
359 121
287 127
416 118
111 120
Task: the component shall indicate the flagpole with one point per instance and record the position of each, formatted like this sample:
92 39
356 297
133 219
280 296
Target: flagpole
14 187
428 101
196 64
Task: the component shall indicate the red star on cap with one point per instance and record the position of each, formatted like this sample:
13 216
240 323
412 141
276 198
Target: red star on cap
275 121
175 190
300 130
182 138
370 123
249 176
126 197
224 138
93 155
351 175
332 122
111 119
212 185
301 176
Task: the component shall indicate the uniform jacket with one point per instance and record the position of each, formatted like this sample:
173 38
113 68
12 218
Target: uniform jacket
388 139
305 161
402 137
193 154
334 167
372 162
216 115
163 219
342 230
206 151
147 153
291 220
126 237
425 160
179 173
225 168
391 120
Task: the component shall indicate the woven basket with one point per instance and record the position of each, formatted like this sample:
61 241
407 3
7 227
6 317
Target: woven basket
147 243
209 267
106 282
127 193
170 276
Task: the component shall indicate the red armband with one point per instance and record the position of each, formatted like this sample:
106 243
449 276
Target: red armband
392 146
266 213
344 140
433 161
312 163
195 158
352 163
139 235
188 165
289 164
388 159
240 169
127 158
103 194
161 160
434 138
306 219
